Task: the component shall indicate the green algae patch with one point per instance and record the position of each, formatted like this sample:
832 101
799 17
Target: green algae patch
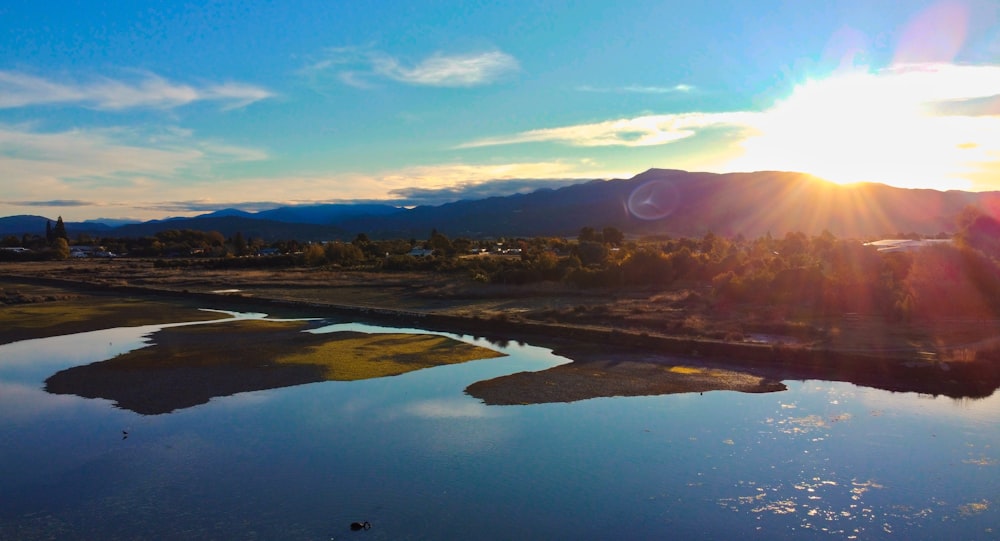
354 356
59 317
189 365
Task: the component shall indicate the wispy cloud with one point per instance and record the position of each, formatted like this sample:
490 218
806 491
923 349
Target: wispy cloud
629 132
104 161
448 176
54 203
205 205
476 190
637 89
361 66
426 184
116 193
449 70
148 91
916 125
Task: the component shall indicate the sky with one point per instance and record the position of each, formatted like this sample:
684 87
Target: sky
146 109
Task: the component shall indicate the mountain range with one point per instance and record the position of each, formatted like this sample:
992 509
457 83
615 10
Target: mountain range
656 202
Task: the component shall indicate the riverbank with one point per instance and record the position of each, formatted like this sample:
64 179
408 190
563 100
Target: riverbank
894 358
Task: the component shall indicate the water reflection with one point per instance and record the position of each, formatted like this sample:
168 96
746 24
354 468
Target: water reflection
188 365
420 459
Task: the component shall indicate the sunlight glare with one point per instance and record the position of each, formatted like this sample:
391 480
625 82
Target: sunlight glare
892 127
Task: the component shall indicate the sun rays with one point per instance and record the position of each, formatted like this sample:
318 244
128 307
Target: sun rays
916 126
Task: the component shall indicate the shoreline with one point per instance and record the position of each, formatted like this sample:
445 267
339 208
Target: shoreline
593 345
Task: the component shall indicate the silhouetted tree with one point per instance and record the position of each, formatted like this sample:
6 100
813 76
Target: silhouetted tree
613 236
59 231
440 243
588 234
591 252
239 244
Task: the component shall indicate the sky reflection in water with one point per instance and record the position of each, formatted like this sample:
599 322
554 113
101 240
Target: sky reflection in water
419 459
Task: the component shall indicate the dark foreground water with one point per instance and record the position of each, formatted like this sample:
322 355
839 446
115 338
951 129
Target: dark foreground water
419 459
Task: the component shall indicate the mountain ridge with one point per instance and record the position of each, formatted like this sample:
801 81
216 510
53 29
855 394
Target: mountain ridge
655 202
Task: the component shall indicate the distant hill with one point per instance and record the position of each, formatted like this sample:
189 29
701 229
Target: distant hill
35 225
268 230
679 203
227 213
23 223
656 202
326 214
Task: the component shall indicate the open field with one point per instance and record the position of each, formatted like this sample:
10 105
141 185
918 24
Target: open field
644 327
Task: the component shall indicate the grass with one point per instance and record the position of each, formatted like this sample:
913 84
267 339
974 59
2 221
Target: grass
53 318
189 365
380 355
341 356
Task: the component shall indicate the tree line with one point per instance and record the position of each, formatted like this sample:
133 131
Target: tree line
822 273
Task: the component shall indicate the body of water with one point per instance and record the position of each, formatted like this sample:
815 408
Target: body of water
419 459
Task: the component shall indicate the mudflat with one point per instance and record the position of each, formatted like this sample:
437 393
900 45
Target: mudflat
622 340
189 365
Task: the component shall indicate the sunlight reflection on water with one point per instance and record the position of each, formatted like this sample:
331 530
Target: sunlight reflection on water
421 459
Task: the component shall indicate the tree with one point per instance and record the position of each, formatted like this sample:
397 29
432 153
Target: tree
60 248
239 244
314 255
979 231
59 232
613 236
342 253
440 243
591 253
648 266
588 234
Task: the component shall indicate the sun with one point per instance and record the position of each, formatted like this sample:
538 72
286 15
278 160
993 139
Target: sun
893 127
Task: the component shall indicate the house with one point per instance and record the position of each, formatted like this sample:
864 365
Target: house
420 252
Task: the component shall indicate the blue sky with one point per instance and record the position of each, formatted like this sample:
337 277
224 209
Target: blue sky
150 109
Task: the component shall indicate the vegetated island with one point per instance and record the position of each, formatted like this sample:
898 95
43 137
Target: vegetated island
636 317
187 366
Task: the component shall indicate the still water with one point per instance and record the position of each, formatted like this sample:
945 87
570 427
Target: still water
419 459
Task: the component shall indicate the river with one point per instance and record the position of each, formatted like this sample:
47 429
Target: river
419 459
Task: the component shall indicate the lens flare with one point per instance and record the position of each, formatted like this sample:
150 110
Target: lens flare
653 200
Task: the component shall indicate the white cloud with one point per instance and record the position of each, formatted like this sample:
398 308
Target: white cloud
424 185
108 163
450 175
639 89
629 132
914 125
419 184
448 409
449 70
150 91
237 95
358 66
